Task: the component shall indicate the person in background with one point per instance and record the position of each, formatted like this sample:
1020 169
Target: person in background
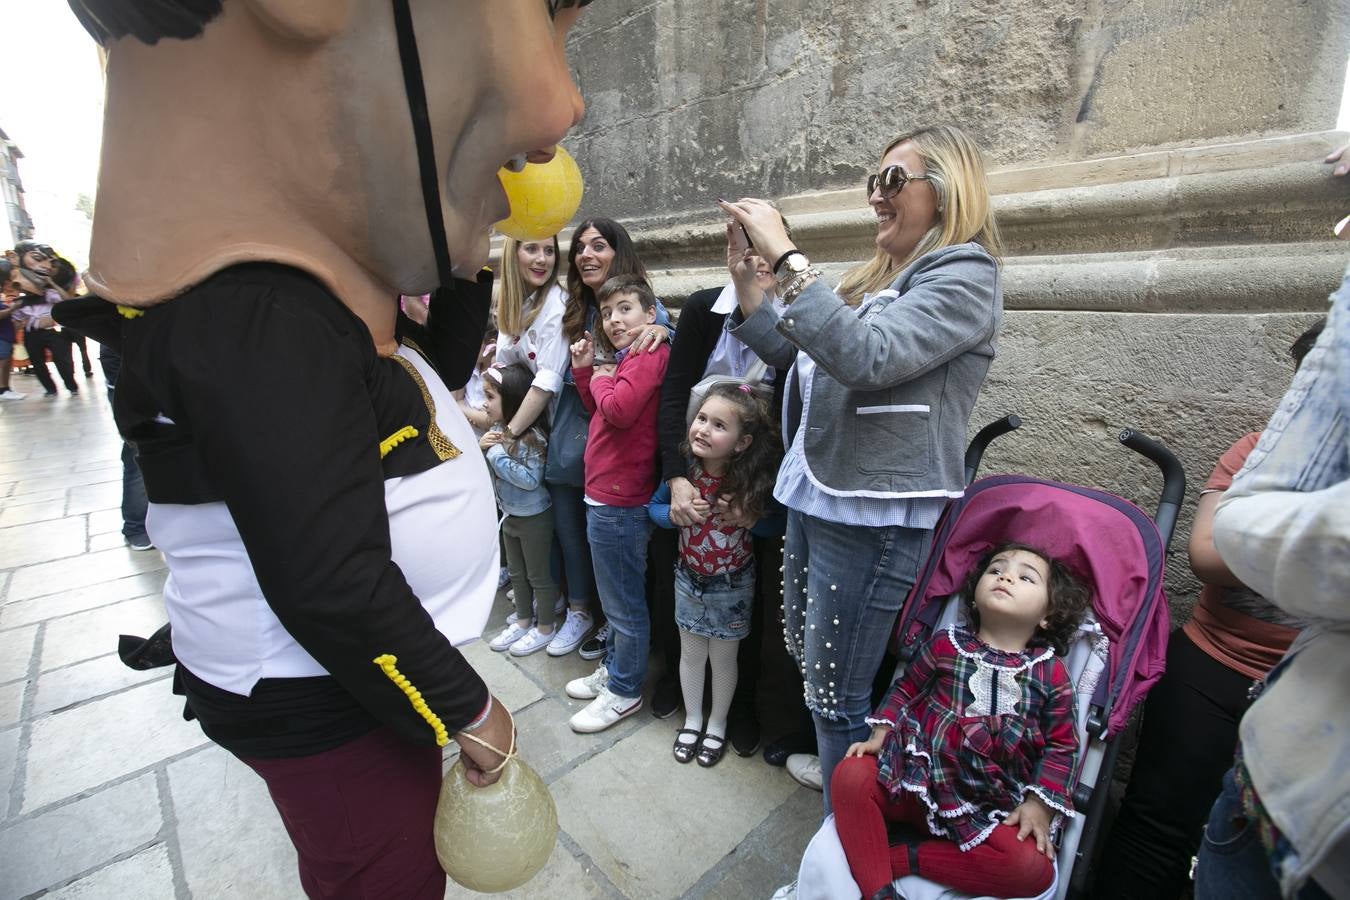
40 332
7 336
884 375
704 346
733 445
1190 725
600 249
517 464
67 282
622 398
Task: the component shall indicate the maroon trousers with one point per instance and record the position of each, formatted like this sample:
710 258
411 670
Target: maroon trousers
361 817
1000 866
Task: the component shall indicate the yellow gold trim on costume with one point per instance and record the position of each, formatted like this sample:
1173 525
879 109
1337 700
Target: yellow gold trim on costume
398 437
130 312
435 437
386 662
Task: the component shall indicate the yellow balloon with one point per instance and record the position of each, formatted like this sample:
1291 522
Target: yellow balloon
544 197
495 838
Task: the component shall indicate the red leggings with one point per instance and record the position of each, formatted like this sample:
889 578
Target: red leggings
1000 866
360 816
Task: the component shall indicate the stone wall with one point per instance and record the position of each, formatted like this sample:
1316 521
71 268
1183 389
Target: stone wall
1156 170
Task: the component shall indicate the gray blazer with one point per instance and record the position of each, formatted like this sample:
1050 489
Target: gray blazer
895 380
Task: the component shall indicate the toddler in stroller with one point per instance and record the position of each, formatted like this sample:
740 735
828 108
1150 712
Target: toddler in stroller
1116 653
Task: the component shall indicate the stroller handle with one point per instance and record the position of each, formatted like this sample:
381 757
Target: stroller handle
1174 479
975 452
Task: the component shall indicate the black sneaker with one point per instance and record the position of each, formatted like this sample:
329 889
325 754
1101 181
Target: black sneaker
594 646
666 699
744 734
777 752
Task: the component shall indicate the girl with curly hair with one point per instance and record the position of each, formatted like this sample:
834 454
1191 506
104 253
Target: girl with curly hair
733 442
975 746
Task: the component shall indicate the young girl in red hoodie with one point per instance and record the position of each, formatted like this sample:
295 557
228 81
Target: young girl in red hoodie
621 474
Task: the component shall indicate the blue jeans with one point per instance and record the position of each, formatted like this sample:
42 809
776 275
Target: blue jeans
134 502
843 586
1233 863
618 536
572 561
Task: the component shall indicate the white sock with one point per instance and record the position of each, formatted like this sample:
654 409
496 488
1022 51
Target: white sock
693 660
722 655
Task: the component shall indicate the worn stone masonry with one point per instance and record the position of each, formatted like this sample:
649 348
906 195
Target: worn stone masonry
1156 165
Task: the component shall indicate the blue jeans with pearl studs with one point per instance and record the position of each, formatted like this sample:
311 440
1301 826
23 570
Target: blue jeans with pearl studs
843 586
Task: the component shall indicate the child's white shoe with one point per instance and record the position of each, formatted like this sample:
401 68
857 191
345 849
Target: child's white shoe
588 688
509 635
605 710
532 642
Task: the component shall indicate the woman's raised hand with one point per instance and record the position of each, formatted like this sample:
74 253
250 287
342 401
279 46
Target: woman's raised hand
648 337
762 223
583 352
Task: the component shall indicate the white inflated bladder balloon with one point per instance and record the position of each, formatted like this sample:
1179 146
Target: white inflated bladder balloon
498 837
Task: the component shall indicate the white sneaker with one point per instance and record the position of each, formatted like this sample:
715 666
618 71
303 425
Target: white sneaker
509 635
511 594
532 642
604 711
805 770
503 578
587 688
572 632
11 394
786 892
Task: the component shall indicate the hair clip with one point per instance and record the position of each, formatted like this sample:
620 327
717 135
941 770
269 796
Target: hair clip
745 387
494 372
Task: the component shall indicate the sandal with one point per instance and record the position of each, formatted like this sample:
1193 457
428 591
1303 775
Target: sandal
684 752
709 756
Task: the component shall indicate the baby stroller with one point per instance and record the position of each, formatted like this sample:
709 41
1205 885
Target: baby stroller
1117 656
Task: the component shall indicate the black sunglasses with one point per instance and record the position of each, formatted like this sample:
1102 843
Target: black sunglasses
892 180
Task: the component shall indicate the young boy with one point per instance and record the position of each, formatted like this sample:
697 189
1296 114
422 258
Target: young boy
620 478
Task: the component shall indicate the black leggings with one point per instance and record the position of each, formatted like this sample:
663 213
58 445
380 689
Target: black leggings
36 342
1189 735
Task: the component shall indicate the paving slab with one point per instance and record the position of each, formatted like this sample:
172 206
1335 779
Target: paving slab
52 606
9 758
88 497
768 856
91 633
37 511
230 835
102 521
667 841
22 545
146 876
80 571
89 745
561 877
67 686
55 846
16 649
11 702
505 680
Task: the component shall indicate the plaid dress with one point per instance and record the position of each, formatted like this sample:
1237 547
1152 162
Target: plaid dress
974 729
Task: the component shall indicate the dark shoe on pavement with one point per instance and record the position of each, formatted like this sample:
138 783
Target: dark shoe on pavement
710 750
744 733
777 752
666 699
139 542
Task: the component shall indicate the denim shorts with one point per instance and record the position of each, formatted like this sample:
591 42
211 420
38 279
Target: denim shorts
715 606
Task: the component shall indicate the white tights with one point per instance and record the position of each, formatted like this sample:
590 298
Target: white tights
695 652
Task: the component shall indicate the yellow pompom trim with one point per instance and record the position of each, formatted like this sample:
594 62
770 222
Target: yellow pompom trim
387 663
130 312
398 437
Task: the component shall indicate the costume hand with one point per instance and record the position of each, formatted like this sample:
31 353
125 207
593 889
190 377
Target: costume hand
648 337
1033 817
415 309
732 513
686 506
477 758
583 352
1341 156
491 439
763 223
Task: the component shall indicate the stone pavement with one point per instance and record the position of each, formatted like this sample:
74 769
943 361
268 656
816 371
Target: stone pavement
105 792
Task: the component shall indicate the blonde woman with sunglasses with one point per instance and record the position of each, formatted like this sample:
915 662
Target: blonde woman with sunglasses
883 374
